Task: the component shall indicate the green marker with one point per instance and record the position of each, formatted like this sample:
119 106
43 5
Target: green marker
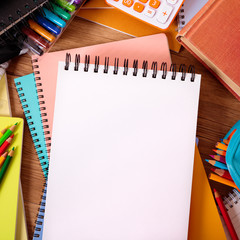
60 12
65 4
7 134
6 164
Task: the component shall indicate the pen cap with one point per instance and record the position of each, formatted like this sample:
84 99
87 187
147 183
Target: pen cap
233 154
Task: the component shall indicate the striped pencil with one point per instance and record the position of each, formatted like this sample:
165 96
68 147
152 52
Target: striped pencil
220 152
222 173
5 145
218 158
219 179
217 164
221 146
2 158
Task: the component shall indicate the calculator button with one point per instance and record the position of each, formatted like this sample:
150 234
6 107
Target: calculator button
138 7
170 1
149 12
154 3
143 1
164 13
127 3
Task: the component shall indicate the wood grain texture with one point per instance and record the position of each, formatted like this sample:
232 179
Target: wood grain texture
218 109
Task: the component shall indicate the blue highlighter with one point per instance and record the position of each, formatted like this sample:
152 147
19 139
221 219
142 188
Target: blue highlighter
48 25
54 18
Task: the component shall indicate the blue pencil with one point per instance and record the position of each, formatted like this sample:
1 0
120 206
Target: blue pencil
217 164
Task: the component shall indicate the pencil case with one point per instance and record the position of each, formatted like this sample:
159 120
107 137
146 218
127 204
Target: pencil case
233 153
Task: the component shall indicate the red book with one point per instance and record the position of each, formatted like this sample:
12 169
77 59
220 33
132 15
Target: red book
213 37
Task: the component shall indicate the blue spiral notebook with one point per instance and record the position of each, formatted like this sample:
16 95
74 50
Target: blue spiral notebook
27 91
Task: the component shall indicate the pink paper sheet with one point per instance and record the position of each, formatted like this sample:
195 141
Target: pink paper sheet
150 48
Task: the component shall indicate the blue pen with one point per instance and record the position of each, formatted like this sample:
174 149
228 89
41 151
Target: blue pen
48 25
54 18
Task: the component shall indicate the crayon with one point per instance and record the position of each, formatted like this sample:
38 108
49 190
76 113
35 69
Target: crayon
217 164
54 18
218 158
225 215
219 179
7 134
222 173
6 164
221 146
40 30
5 145
60 12
220 152
2 158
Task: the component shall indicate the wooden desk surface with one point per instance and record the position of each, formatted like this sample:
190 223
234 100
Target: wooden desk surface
219 110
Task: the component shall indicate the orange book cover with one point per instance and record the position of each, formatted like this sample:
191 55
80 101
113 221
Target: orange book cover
213 36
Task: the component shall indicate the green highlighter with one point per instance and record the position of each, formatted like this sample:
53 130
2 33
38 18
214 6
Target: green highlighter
65 4
60 12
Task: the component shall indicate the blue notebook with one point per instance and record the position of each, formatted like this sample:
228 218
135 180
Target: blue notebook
27 92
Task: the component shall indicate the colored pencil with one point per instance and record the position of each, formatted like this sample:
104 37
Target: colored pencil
222 173
226 141
220 152
2 158
5 145
217 164
6 164
221 146
225 215
230 136
218 158
219 179
7 134
2 132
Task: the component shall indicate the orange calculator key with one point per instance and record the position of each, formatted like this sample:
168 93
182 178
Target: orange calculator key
154 3
127 3
138 7
143 1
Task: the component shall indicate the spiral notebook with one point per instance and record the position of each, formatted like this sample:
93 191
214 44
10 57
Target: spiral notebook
119 126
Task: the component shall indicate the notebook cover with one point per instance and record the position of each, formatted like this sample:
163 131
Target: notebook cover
204 220
122 22
151 48
217 47
9 189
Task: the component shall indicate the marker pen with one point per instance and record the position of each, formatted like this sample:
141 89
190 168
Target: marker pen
60 12
65 4
54 18
48 25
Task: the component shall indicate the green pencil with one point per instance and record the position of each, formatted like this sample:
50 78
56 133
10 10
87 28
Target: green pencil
6 163
7 134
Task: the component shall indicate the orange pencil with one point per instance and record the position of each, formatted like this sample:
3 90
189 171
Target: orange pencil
226 141
2 158
5 145
225 216
221 146
222 173
220 152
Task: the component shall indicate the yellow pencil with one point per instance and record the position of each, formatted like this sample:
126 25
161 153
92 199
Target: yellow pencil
221 146
219 179
2 158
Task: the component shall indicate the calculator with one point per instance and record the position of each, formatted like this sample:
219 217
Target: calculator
155 12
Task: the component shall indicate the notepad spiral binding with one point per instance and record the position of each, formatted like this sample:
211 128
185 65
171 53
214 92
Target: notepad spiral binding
154 67
232 199
42 103
181 18
27 112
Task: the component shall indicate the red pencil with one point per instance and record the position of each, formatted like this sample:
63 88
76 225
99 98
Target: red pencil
231 134
218 158
225 215
5 145
223 173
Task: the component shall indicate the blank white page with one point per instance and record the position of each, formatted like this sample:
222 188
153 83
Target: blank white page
122 156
